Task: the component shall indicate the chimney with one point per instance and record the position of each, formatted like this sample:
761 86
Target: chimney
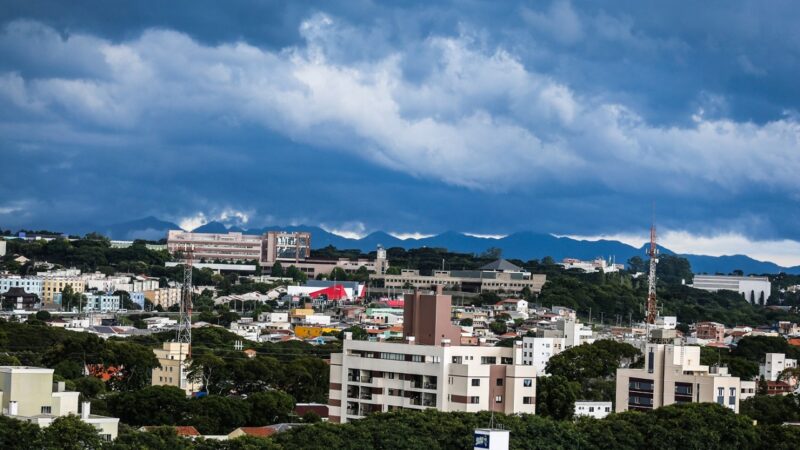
13 408
439 289
86 408
445 342
348 335
410 340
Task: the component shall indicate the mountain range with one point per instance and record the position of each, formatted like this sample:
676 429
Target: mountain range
522 245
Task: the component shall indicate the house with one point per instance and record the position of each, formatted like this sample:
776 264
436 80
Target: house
17 299
319 409
586 408
29 394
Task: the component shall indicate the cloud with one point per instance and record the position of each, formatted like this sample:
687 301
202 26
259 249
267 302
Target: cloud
349 230
227 216
785 252
414 235
487 236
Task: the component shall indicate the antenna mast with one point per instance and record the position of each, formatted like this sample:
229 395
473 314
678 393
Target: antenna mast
185 319
650 319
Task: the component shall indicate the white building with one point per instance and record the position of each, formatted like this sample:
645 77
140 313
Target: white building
536 351
29 394
597 265
598 410
30 285
173 359
2 247
755 290
381 376
774 364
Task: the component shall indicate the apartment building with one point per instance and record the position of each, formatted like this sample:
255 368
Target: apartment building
173 360
102 303
568 333
774 364
232 246
56 285
597 410
755 290
29 394
30 285
433 371
673 374
165 297
285 246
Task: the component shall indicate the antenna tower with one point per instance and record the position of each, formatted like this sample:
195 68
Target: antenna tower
185 319
650 318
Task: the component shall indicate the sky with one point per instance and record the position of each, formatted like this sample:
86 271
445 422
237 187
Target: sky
572 118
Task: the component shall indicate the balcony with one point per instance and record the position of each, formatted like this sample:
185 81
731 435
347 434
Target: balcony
355 378
430 386
365 396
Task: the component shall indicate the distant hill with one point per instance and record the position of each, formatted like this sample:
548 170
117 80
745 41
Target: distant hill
149 228
522 245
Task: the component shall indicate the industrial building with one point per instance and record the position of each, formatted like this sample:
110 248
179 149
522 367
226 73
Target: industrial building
755 290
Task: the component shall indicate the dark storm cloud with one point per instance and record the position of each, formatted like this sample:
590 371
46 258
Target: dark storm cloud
476 116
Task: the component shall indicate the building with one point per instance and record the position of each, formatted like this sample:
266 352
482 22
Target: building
568 333
165 297
230 246
56 285
285 246
428 371
17 299
30 285
498 276
173 367
102 303
2 247
755 290
597 265
29 394
774 364
137 298
597 410
426 317
711 331
673 374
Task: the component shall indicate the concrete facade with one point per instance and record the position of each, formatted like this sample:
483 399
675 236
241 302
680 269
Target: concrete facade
380 376
30 285
673 374
173 358
465 280
774 364
755 290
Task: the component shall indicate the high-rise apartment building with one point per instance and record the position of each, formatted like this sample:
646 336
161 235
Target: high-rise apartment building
230 246
173 360
673 374
377 376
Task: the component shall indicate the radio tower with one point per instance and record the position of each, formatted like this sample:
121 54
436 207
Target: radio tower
650 319
185 320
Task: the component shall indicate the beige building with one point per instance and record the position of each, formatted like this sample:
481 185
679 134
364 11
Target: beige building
55 285
673 374
381 376
173 360
29 394
165 297
431 371
465 280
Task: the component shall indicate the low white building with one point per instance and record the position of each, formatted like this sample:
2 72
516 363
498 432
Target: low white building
598 410
774 364
154 323
755 290
30 285
597 265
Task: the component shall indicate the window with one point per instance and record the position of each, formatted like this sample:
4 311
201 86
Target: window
476 382
456 360
591 409
474 400
488 360
498 399
527 400
46 409
499 381
651 361
417 358
527 382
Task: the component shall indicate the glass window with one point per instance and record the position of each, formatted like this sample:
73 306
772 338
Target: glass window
527 382
498 399
499 381
476 382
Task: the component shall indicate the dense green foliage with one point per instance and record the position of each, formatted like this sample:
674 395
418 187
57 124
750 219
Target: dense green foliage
707 426
772 409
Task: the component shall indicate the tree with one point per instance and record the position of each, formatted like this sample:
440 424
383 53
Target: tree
71 433
153 405
555 397
338 274
215 414
277 269
498 327
636 264
359 333
466 322
43 315
269 407
211 371
16 434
